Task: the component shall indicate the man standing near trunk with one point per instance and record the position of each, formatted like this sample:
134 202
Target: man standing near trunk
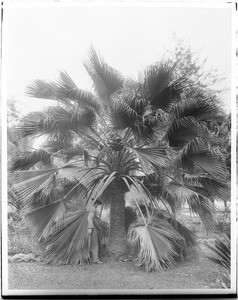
92 232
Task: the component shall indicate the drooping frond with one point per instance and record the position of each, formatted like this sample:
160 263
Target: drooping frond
99 185
217 189
156 243
106 79
197 152
200 107
171 199
68 242
205 209
183 130
189 237
186 192
26 160
196 198
222 251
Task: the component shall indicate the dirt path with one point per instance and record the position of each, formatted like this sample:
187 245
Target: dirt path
195 273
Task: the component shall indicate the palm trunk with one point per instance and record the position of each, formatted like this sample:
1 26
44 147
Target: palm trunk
117 234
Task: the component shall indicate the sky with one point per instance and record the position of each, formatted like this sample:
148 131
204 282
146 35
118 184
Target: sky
42 41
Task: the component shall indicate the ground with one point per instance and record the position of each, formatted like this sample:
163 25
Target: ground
196 272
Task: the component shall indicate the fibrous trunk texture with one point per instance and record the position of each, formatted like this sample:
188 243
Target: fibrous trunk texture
117 235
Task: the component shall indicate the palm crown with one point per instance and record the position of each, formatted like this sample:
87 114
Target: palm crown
149 133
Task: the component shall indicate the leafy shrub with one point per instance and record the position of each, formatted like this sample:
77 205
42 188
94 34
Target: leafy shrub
19 237
222 257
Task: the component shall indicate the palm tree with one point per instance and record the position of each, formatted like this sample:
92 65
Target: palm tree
148 133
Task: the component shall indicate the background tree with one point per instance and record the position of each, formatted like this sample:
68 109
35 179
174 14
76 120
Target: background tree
149 133
190 63
13 146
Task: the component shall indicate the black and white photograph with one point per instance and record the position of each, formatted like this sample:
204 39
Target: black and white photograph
118 148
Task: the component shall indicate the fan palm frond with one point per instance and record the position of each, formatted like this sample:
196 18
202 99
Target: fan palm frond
156 243
150 156
63 89
42 89
183 130
31 124
27 183
217 189
197 152
43 218
159 85
47 195
71 119
145 129
26 160
197 201
70 187
22 176
68 242
205 209
199 106
26 187
107 80
191 244
56 120
67 89
121 115
185 192
171 199
136 102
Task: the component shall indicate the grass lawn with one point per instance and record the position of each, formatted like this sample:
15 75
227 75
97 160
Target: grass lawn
195 273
